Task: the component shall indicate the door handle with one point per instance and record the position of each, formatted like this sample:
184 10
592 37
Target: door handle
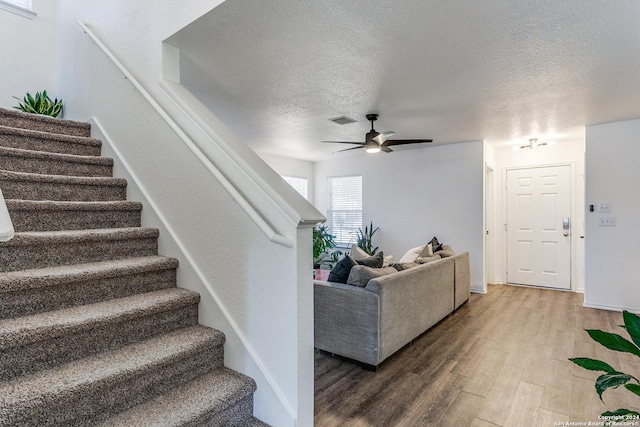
565 234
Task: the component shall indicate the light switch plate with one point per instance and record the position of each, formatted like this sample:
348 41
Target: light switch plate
607 221
604 207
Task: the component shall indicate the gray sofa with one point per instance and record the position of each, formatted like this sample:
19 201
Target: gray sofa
370 323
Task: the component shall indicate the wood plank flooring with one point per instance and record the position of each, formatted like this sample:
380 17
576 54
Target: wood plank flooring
500 360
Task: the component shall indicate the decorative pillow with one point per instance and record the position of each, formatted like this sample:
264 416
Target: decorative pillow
404 265
437 246
357 253
340 272
426 259
446 251
375 261
388 260
411 254
427 251
361 274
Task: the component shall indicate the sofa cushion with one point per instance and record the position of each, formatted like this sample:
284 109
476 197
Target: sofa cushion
426 259
375 261
404 265
446 251
411 254
340 272
437 246
388 260
361 274
357 253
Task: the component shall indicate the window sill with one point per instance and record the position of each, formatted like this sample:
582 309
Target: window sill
10 7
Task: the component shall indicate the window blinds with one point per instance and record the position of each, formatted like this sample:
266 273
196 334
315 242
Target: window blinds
345 208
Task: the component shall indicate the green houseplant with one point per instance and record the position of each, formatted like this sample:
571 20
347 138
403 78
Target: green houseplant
365 239
40 104
612 378
323 242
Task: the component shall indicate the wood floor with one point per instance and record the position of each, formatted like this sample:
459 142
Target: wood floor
500 360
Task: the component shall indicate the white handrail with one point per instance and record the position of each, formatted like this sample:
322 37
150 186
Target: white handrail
266 229
6 226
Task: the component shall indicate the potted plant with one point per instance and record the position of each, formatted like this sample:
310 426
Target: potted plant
40 104
365 239
323 242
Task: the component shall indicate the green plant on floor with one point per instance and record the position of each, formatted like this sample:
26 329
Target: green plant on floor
365 239
612 378
40 104
323 242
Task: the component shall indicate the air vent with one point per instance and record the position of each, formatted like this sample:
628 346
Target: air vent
343 120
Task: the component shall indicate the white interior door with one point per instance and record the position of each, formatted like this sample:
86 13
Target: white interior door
538 226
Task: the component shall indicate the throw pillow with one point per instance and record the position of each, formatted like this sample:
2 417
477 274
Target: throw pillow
357 253
375 261
388 260
361 274
411 254
340 272
437 246
427 251
446 251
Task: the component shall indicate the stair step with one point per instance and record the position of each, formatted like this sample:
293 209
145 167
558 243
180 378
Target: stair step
220 398
77 332
27 292
40 215
92 389
51 142
31 250
19 160
33 186
18 119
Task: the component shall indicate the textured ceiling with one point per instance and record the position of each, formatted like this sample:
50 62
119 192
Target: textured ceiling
459 70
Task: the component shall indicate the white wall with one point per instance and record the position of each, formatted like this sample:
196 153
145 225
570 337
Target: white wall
568 152
415 194
254 280
29 53
612 253
291 167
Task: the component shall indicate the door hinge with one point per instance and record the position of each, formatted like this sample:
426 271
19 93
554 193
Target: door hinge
506 228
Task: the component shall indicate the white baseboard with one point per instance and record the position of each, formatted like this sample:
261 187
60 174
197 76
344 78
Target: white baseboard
611 307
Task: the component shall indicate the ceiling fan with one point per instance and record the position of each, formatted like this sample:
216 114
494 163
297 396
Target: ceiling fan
375 142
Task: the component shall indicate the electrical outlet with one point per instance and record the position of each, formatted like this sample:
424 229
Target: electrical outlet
604 207
607 221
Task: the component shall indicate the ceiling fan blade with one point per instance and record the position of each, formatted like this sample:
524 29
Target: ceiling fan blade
382 137
348 149
390 142
386 149
345 142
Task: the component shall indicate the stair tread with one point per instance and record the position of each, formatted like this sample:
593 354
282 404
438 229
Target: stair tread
62 179
20 331
93 234
36 134
20 204
53 276
35 389
53 122
74 158
209 393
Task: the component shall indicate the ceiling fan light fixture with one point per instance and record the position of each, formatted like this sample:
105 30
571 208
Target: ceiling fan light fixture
372 147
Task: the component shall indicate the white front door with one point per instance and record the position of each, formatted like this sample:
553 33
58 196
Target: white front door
538 226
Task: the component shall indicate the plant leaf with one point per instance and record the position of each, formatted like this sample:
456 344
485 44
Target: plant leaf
632 325
610 380
633 388
592 364
619 412
613 341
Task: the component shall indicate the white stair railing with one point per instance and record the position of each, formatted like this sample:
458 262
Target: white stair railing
6 226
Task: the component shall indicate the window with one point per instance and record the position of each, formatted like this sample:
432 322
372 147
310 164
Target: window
298 184
344 216
20 7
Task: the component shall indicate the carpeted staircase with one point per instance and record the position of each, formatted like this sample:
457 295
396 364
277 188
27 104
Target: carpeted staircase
93 330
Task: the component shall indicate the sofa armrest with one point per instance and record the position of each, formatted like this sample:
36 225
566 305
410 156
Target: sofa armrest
346 321
462 279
